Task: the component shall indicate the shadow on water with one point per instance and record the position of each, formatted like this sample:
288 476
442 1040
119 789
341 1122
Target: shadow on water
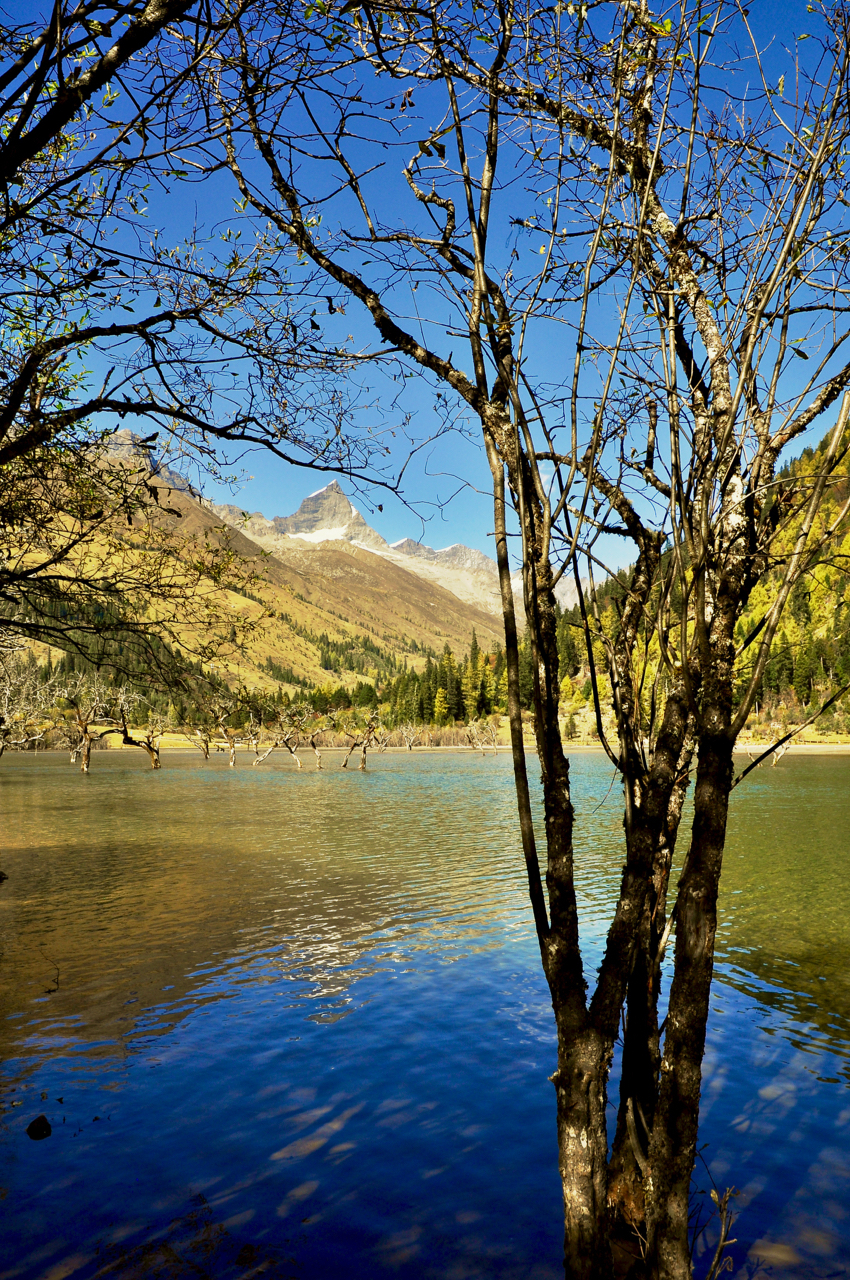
293 1023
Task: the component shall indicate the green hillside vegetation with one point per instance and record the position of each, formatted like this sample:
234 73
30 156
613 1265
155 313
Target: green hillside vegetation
809 661
811 656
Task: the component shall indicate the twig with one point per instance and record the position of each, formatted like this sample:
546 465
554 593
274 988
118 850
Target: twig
799 729
720 1264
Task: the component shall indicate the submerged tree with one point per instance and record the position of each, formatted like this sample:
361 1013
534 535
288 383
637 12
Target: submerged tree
576 192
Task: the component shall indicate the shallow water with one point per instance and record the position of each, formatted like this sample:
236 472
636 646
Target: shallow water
295 1020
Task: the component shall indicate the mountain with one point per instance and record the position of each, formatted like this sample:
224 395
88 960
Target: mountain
325 516
330 593
329 516
125 446
457 556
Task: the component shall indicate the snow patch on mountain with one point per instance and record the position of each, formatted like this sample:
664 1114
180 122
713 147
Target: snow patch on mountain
322 535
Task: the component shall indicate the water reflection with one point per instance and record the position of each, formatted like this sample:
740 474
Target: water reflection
293 1023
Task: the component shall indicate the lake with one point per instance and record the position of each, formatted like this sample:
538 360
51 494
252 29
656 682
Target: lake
293 1023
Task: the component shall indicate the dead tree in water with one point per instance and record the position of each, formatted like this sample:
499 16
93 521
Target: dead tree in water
151 732
222 717
482 735
199 738
314 746
279 730
362 738
411 734
92 710
89 710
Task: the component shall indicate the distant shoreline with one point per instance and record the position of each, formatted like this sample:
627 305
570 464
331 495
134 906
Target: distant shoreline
748 747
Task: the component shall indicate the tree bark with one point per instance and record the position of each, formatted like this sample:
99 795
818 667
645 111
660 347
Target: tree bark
672 1150
655 820
584 1061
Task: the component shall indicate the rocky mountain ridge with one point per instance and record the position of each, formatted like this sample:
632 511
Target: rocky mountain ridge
328 515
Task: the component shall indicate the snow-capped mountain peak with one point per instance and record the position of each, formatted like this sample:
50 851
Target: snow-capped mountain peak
328 515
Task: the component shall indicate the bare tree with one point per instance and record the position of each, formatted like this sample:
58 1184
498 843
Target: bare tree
90 711
200 738
691 250
481 735
151 732
411 734
283 727
362 738
27 699
223 718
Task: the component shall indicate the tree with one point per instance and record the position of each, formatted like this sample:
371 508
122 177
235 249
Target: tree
362 738
691 251
411 734
284 726
26 699
109 315
89 711
152 730
481 735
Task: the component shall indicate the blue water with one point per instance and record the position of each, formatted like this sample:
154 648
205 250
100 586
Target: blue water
293 1024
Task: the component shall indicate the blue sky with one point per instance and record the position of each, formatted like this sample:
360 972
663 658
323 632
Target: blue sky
449 500
447 485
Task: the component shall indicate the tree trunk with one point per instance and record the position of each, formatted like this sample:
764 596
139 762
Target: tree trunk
656 819
672 1149
584 1053
581 1089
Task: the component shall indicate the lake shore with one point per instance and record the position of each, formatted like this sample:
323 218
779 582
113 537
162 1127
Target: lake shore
745 747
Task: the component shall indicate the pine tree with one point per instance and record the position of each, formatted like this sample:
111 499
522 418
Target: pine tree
471 682
474 651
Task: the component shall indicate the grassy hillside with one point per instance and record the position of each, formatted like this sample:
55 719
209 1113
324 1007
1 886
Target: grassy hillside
333 608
